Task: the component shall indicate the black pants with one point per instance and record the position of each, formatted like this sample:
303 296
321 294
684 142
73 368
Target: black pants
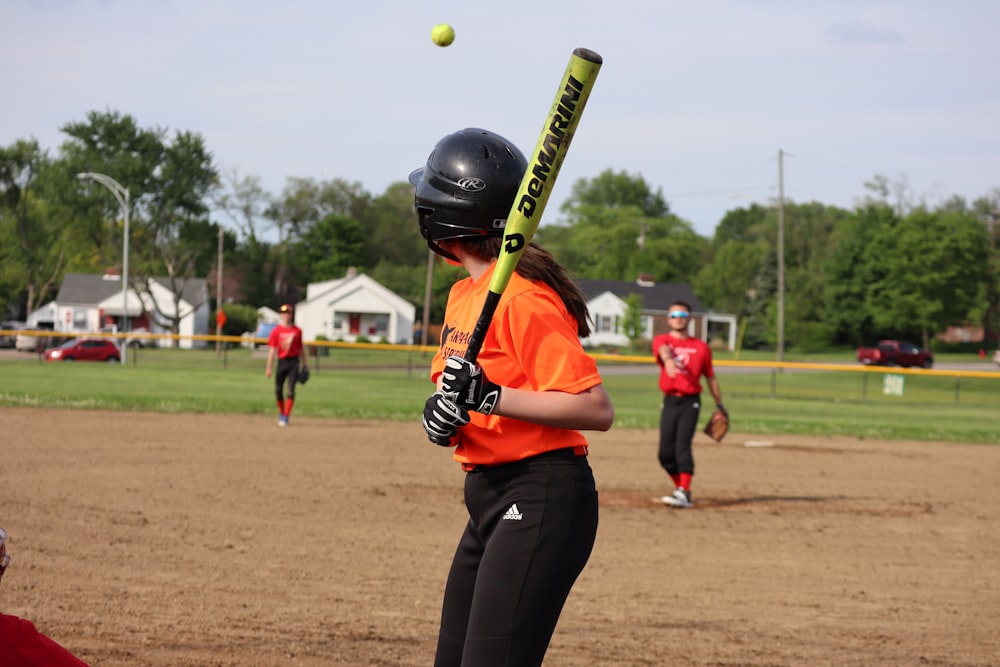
288 371
531 529
678 421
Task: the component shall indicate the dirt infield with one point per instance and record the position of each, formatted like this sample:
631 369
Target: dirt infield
204 540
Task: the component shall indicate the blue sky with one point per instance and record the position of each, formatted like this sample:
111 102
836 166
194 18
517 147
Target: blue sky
696 97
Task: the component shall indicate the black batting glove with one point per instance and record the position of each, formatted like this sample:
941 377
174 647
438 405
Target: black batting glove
466 384
442 419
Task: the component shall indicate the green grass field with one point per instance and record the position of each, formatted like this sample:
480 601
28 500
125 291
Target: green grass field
392 385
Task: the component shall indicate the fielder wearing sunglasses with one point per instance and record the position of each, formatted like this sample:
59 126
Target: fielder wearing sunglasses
20 642
683 360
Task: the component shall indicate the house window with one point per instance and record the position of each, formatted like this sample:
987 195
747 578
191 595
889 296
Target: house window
80 319
382 324
338 321
607 324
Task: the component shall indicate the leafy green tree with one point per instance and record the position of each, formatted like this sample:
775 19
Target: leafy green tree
632 320
392 234
330 247
759 312
240 318
611 189
182 244
727 283
853 270
246 203
987 308
742 225
910 276
112 144
169 184
617 227
33 232
935 264
809 228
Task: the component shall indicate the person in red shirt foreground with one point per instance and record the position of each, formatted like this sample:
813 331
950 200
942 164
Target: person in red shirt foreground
21 644
683 360
285 343
514 419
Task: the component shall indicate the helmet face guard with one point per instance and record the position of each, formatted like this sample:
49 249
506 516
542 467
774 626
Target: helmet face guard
467 187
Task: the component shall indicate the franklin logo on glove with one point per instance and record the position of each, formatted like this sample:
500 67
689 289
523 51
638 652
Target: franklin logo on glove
465 383
442 419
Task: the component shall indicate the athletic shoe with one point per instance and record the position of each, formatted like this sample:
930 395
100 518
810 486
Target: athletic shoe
680 498
282 420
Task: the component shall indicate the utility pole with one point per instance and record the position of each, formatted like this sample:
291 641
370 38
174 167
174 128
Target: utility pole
992 262
218 300
781 255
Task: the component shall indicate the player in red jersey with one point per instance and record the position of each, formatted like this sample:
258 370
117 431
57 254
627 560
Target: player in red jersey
285 344
683 360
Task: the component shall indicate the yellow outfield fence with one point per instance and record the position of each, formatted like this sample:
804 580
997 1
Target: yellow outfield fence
821 366
741 378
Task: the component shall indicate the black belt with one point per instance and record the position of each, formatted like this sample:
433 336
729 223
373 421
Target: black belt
564 453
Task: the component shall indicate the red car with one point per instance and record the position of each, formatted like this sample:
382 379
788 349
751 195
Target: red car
84 349
895 353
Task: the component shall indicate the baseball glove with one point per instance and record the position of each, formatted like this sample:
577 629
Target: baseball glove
718 425
303 375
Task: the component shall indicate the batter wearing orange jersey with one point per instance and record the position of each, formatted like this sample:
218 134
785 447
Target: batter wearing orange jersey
514 418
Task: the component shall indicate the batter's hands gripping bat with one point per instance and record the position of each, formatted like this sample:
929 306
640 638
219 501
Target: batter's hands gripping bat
533 193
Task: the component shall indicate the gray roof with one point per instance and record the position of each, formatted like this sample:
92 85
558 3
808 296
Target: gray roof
91 288
193 290
655 296
87 288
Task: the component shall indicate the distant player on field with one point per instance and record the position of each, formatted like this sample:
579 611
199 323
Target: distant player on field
683 360
285 344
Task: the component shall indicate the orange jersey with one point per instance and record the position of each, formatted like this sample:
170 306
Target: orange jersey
531 344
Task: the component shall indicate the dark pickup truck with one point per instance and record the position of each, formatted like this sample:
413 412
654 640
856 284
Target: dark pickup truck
895 353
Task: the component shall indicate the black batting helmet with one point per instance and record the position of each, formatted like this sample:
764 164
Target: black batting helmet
467 186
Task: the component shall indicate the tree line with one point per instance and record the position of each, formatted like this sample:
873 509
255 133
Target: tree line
890 267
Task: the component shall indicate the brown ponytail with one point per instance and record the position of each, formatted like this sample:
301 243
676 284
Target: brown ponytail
537 263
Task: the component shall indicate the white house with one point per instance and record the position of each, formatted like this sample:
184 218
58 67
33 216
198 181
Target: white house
606 300
354 306
267 315
43 317
88 303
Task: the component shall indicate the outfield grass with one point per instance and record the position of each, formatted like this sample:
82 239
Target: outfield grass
376 384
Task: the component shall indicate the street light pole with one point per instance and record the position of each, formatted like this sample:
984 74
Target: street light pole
122 195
